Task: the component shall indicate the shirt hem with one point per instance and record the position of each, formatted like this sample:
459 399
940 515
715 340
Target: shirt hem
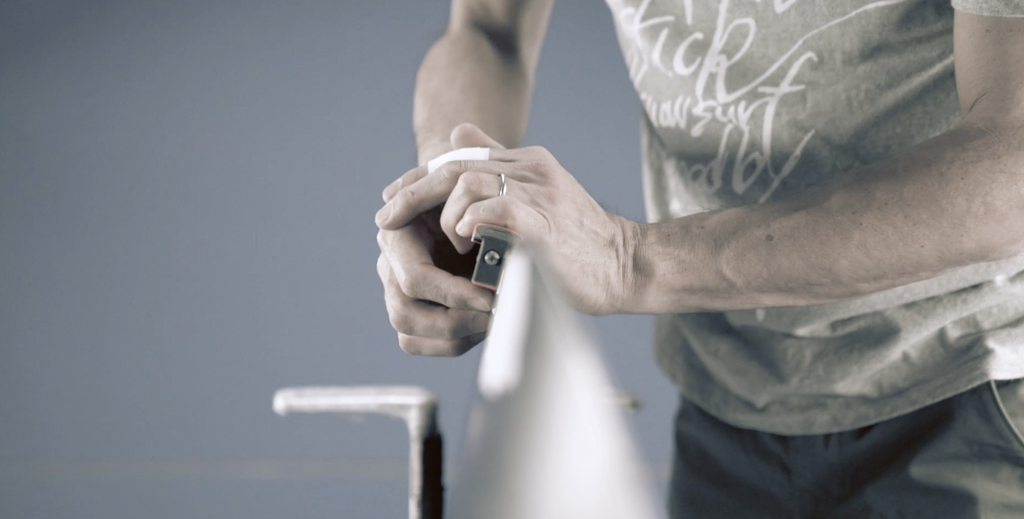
862 415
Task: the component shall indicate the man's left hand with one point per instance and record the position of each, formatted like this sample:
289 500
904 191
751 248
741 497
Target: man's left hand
590 249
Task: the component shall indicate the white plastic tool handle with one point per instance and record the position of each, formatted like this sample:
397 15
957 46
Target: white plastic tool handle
459 154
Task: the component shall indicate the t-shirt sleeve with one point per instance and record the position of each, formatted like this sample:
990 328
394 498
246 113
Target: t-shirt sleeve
991 7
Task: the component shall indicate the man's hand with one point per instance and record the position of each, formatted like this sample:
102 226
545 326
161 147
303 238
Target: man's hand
589 248
430 301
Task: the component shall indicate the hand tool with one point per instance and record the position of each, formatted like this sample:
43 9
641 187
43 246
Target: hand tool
495 242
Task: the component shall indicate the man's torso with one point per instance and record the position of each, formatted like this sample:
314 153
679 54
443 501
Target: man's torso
747 101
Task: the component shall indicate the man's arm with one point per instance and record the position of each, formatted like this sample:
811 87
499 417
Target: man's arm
481 72
952 201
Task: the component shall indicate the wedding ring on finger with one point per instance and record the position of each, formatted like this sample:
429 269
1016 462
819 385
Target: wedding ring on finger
504 186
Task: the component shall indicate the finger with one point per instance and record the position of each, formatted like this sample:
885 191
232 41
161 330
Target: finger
407 179
418 277
411 176
472 187
438 347
528 154
467 135
383 269
507 212
423 319
414 174
432 190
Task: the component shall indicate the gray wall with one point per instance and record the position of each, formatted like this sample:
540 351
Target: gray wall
187 192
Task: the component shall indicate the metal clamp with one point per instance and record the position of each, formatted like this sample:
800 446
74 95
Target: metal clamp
495 245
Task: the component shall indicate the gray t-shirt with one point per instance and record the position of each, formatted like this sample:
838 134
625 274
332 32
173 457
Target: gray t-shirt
746 101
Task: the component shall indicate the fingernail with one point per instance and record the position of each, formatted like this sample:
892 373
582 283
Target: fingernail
480 305
383 215
460 229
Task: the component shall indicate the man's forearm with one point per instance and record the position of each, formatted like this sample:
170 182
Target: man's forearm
952 201
469 77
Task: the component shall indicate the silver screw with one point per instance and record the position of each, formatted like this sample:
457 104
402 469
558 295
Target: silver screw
492 257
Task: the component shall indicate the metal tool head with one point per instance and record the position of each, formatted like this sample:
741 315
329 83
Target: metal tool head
495 245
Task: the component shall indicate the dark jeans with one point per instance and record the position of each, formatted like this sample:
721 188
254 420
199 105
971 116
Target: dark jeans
959 458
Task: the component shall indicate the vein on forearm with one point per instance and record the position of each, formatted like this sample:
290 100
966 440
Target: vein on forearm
952 201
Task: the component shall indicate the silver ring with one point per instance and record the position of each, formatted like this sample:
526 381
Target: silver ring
504 186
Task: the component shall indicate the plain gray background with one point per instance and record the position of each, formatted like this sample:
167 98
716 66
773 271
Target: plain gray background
187 192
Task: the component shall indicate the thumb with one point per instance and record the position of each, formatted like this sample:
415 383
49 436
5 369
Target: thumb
467 135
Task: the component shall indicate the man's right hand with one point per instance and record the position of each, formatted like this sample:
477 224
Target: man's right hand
480 70
431 303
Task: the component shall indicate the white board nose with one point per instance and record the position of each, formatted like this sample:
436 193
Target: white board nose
546 440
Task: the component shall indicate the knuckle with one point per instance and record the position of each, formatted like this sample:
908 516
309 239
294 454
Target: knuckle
540 152
391 299
451 329
503 210
486 208
413 285
451 171
403 199
408 344
405 283
398 277
395 321
465 344
470 182
449 219
546 169
459 190
400 319
464 127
